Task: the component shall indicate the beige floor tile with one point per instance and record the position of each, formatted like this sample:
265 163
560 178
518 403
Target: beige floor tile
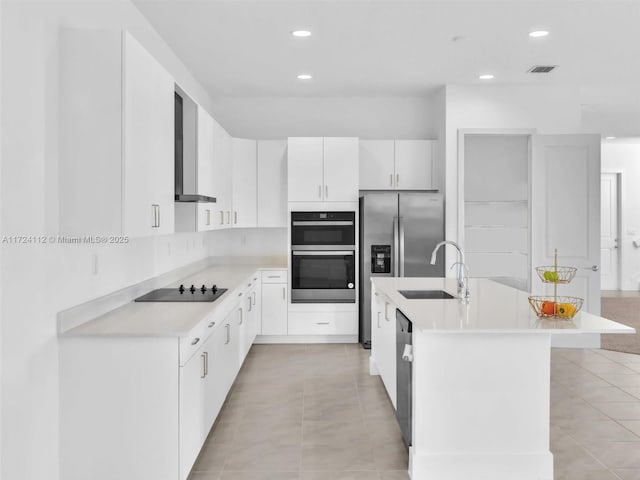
600 431
568 455
356 457
610 367
223 432
212 457
382 431
329 432
287 432
632 425
621 380
395 475
616 454
575 409
340 475
604 394
599 474
621 357
265 456
619 410
391 456
205 476
628 473
253 475
635 391
339 412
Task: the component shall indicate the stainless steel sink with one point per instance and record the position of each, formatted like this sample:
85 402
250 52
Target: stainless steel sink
426 294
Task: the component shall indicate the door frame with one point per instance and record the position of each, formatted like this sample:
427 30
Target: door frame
462 133
619 218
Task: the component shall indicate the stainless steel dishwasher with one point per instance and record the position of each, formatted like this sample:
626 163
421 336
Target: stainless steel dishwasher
404 357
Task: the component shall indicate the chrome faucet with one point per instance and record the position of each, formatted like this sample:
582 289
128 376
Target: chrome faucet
463 279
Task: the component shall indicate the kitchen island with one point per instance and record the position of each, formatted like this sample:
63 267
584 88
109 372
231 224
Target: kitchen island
480 377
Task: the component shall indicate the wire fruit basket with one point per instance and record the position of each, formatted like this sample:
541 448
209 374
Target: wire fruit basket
557 307
554 306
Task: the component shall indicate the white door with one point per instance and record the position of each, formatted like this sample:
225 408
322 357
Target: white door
565 212
272 183
192 411
341 169
245 202
609 256
305 180
376 171
413 164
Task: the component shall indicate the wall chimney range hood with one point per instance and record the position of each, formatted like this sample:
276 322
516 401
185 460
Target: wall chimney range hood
185 153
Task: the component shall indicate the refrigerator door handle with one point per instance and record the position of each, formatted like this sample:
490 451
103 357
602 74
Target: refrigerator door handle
401 246
396 242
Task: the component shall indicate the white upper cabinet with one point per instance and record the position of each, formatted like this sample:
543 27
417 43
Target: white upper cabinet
222 165
396 164
244 189
377 170
341 169
322 169
305 170
272 183
413 164
116 143
205 149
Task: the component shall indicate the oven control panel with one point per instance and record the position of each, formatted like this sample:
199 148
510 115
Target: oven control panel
380 258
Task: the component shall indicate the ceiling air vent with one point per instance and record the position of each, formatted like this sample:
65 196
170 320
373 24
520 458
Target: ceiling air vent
542 68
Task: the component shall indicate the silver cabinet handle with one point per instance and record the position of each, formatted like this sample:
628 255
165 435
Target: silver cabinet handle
204 365
396 238
386 317
397 179
326 191
379 313
235 217
391 179
401 246
284 293
228 327
221 217
322 323
195 340
241 316
156 215
211 324
208 217
273 276
254 297
249 298
319 191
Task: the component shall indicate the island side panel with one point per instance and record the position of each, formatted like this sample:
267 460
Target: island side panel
481 406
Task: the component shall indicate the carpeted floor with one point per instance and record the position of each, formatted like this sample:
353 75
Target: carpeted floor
624 310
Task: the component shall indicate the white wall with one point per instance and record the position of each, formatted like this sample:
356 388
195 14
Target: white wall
623 157
249 242
39 280
364 117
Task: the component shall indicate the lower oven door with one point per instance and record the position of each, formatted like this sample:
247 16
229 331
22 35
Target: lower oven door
326 276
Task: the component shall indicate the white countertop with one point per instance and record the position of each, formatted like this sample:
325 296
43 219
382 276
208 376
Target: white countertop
492 308
170 319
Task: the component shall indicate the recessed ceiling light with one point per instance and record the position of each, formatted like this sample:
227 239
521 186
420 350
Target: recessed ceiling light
609 138
301 33
538 33
486 76
304 76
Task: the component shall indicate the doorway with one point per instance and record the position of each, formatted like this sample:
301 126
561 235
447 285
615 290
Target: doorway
610 231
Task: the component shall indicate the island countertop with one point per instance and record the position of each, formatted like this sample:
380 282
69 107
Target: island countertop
491 308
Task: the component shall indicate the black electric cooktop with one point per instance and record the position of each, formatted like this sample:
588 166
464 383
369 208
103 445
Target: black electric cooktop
182 294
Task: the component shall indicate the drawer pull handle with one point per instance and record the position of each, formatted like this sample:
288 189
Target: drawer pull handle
240 294
212 324
273 276
195 340
228 327
322 323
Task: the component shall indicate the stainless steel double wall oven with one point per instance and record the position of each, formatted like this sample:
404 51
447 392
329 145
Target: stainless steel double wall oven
323 257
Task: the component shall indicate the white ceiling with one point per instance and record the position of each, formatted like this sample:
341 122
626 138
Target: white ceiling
409 48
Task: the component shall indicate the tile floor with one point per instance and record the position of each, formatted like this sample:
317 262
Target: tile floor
313 412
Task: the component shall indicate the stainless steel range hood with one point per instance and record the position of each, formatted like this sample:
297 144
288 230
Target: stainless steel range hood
186 164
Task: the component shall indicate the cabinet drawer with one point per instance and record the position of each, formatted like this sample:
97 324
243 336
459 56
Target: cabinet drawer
192 342
323 323
274 276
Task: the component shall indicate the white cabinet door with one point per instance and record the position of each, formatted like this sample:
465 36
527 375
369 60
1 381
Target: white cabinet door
215 390
205 154
245 203
272 183
341 169
148 118
377 171
274 309
385 346
305 170
413 164
192 411
222 176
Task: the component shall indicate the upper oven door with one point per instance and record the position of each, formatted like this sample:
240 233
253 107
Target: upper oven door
323 229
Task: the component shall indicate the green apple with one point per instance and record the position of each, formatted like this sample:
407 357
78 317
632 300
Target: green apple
550 276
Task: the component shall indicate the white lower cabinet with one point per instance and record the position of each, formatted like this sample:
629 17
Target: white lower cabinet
383 341
323 323
274 302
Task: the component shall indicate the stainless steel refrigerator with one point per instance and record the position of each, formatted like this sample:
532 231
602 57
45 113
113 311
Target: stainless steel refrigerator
398 232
